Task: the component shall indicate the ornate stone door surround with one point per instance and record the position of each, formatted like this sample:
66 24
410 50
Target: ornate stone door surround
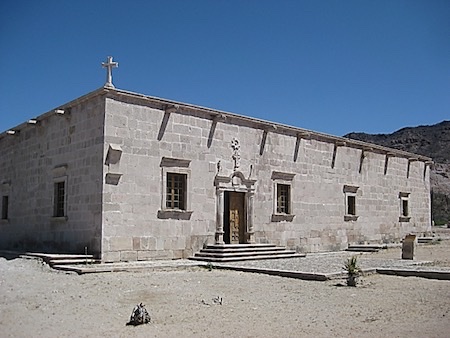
238 183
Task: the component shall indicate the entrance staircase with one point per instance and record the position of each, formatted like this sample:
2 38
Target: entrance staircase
243 252
61 261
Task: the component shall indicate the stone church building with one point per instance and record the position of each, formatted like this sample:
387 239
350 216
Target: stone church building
135 177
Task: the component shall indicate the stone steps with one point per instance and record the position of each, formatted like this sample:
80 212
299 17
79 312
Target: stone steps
63 260
426 240
366 247
54 262
58 260
243 252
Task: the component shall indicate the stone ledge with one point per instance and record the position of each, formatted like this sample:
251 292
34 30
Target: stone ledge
59 219
282 217
130 266
175 214
430 274
281 273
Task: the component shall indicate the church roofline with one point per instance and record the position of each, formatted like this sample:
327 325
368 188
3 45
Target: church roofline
276 127
60 110
267 126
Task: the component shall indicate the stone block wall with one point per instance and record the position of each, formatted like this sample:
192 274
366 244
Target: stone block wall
55 147
133 225
319 199
145 131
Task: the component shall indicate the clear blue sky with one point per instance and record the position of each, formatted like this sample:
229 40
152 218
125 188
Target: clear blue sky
329 66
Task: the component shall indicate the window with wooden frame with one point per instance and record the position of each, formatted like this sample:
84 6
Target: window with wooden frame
282 196
59 199
176 191
60 192
175 197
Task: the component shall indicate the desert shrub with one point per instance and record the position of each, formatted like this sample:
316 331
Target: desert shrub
353 270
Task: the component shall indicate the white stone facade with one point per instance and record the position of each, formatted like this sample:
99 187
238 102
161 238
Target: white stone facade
116 152
57 146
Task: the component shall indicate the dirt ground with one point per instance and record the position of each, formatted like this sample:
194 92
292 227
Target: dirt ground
36 301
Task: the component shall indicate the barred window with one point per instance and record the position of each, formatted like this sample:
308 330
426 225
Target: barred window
283 198
176 191
59 199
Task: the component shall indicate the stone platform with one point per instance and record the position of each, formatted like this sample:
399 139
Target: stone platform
318 266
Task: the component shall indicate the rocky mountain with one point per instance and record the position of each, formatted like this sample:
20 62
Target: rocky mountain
432 141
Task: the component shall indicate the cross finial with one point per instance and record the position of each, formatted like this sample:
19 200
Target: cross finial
109 65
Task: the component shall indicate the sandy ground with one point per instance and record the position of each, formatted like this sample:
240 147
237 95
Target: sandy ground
36 301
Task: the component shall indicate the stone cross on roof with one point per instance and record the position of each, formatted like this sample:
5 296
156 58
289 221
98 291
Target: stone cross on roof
109 65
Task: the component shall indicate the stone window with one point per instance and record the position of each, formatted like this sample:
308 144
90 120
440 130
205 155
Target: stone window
405 211
59 199
404 207
350 203
60 192
282 206
176 191
175 197
5 205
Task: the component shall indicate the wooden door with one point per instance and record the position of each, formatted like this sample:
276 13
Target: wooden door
237 217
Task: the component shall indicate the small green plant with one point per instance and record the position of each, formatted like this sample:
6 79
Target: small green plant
353 270
210 266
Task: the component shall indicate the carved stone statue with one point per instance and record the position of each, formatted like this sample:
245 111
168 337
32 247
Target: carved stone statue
236 153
